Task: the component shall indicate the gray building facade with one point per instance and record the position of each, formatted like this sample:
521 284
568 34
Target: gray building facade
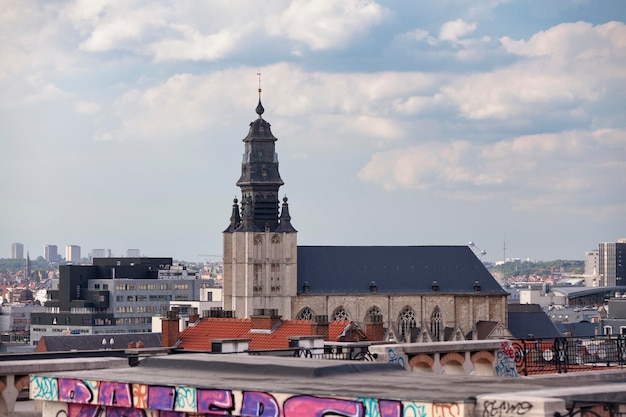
113 295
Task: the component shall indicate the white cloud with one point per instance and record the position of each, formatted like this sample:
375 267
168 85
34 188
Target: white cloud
560 168
573 41
454 30
87 107
561 70
325 24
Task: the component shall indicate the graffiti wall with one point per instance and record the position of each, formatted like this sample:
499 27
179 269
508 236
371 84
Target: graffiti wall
505 361
82 398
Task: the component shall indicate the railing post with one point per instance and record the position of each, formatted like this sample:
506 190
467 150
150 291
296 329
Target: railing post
560 354
621 351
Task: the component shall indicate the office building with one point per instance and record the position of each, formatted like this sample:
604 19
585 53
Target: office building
100 253
50 253
114 295
133 253
17 251
612 263
72 253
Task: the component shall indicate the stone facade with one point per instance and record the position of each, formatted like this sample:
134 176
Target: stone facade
402 312
260 272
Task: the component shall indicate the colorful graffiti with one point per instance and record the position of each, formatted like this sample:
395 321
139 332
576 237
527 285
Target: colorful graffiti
80 398
505 408
505 361
394 357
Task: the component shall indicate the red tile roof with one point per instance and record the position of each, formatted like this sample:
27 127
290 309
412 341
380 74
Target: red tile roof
199 337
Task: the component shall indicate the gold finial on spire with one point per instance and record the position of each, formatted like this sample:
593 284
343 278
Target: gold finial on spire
259 74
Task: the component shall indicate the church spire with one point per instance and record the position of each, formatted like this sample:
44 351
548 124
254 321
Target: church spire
285 219
259 108
260 180
235 218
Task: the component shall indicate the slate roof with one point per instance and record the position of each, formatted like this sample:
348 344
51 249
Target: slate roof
580 329
66 343
394 269
199 336
530 319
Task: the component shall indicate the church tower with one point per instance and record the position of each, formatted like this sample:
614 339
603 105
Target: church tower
260 244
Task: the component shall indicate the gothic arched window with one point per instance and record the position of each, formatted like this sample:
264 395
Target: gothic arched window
435 324
305 314
341 314
406 322
373 315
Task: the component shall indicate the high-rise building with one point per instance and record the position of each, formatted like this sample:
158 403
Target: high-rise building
133 253
100 253
17 251
50 253
611 263
72 253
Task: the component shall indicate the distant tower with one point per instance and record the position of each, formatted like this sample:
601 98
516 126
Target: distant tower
72 253
612 263
260 244
133 253
27 267
50 253
17 251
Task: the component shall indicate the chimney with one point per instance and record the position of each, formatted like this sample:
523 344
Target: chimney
265 319
374 328
170 329
320 326
193 315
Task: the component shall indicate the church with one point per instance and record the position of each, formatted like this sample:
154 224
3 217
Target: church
419 293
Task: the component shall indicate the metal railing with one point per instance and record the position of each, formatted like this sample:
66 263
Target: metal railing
569 354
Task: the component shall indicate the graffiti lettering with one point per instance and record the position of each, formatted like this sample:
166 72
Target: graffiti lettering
507 350
161 398
259 404
505 366
503 408
185 399
414 410
307 406
44 388
395 358
210 401
446 410
115 393
76 391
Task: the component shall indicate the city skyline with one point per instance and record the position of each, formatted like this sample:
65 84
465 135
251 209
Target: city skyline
497 122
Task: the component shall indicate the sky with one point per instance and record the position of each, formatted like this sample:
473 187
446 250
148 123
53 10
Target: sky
398 122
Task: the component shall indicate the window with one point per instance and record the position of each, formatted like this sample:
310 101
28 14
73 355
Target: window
305 314
341 314
373 315
96 286
608 330
406 322
435 324
622 329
